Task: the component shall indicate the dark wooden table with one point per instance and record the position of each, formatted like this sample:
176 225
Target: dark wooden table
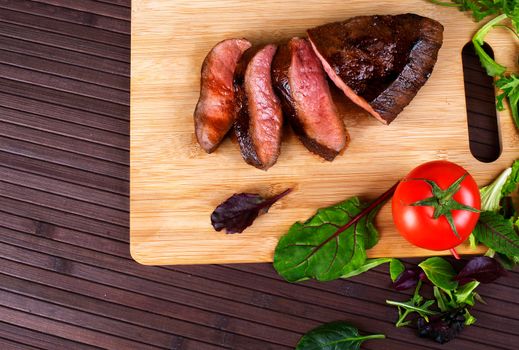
67 280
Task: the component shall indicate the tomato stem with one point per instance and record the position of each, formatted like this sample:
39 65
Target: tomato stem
454 253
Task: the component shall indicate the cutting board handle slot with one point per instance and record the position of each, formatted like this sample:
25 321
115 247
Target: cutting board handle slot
480 99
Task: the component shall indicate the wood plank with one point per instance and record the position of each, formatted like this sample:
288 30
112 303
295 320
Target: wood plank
7 344
119 296
64 173
100 123
68 331
64 42
60 27
55 126
53 155
176 185
38 339
105 9
70 15
60 98
63 143
65 56
58 218
63 84
64 204
61 234
83 74
56 187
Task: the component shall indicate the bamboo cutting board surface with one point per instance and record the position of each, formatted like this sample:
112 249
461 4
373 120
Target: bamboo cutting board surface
175 185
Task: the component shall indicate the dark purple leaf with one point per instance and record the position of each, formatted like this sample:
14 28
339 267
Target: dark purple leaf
481 268
240 210
407 279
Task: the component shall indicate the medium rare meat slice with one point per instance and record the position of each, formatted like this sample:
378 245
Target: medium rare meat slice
379 62
301 82
259 119
214 114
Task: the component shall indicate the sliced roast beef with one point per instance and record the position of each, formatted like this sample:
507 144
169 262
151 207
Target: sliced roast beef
301 83
259 118
379 62
214 114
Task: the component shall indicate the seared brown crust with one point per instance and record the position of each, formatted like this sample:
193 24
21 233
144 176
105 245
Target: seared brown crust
241 125
214 113
259 119
281 81
384 60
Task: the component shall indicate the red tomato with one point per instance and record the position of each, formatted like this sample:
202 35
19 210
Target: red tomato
417 223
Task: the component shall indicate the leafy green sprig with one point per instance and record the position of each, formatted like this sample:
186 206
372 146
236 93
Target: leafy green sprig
504 10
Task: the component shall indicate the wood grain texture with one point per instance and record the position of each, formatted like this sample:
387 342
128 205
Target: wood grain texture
175 186
67 279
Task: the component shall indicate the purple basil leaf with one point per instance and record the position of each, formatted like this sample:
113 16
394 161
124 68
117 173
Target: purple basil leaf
407 279
481 268
240 210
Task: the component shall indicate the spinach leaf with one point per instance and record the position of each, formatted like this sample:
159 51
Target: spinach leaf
368 265
439 272
334 336
330 244
240 210
396 267
497 233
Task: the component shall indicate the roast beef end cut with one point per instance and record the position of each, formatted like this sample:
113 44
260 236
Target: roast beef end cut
215 111
379 62
259 119
300 80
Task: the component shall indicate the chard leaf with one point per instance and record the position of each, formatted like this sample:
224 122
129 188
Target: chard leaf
396 267
497 233
334 336
439 272
368 265
330 244
240 210
483 269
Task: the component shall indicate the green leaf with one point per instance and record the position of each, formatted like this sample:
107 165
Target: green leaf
396 267
326 246
469 319
510 87
368 265
441 299
512 180
465 293
334 336
439 272
497 233
491 194
492 67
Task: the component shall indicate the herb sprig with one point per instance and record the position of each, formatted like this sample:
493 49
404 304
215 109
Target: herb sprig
504 10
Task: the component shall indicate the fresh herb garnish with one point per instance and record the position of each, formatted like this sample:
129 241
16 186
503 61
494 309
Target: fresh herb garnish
330 244
368 265
503 10
240 210
443 317
334 336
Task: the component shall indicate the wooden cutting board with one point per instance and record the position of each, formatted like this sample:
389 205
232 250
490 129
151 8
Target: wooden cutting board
175 185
